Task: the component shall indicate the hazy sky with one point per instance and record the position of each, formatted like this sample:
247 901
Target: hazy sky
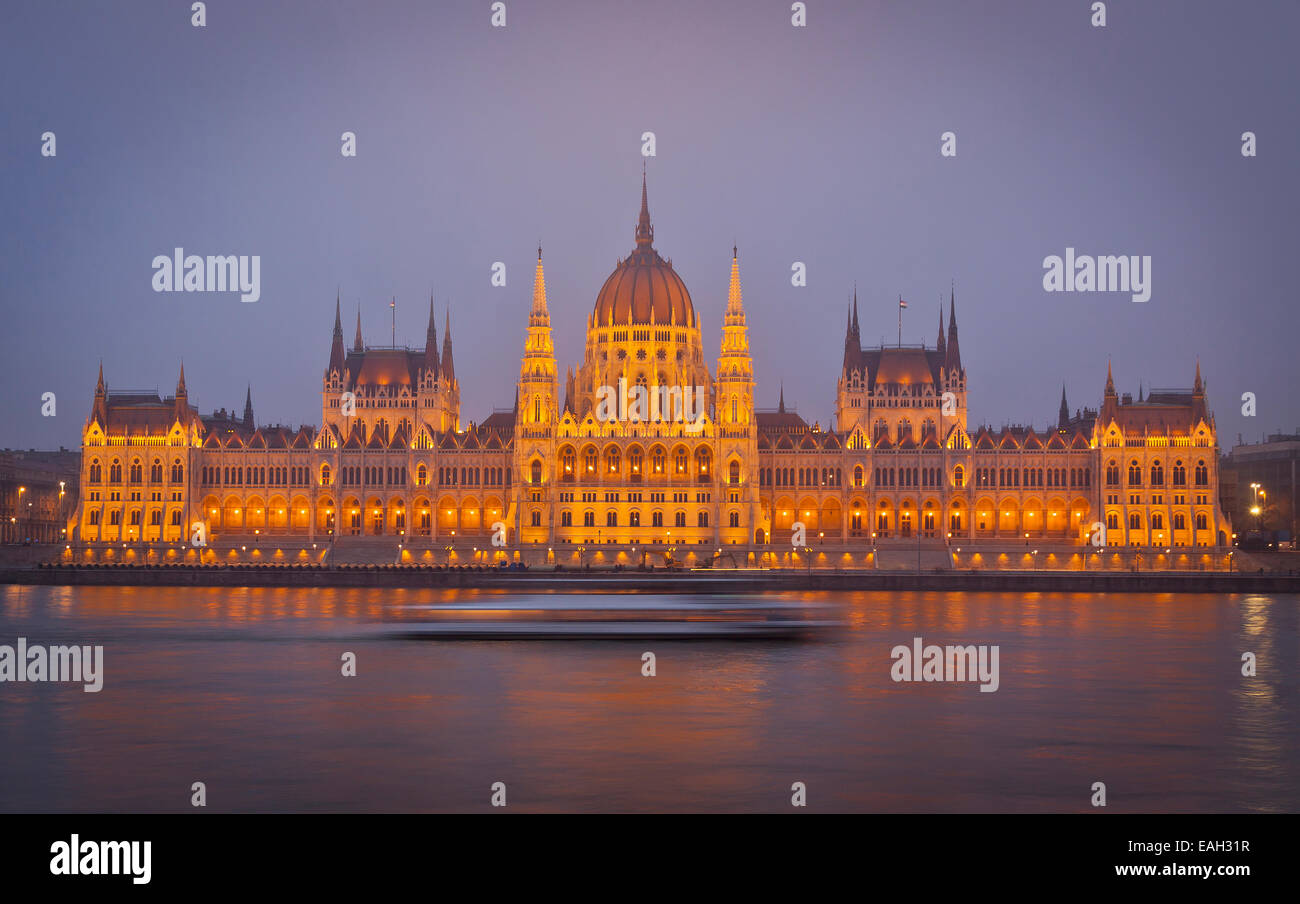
817 144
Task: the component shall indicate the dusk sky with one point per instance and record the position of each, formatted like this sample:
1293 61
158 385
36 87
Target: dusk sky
818 144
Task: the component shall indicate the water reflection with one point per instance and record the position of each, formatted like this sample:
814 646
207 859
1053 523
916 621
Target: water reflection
241 688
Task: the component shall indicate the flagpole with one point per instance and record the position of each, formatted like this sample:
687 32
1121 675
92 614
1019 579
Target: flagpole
393 305
900 321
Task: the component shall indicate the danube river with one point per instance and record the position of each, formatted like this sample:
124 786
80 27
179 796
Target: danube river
241 689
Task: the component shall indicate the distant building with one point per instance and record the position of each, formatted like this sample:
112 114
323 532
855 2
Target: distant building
391 457
38 494
1273 465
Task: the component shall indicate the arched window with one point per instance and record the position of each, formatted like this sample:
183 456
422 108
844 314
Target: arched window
634 518
1180 474
658 459
959 477
611 519
568 461
589 460
115 472
96 472
703 519
178 471
1134 473
733 473
155 471
1112 473
421 475
324 475
1157 474
137 471
1202 474
1134 521
1112 521
536 471
733 519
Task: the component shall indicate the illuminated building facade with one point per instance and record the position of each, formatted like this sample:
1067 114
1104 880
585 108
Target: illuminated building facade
581 462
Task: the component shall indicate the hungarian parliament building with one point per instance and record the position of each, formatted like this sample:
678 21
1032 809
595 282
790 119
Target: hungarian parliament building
576 465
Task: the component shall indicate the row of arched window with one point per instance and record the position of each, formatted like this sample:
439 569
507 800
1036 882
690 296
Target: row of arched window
1156 474
135 471
1057 478
798 477
634 519
1157 521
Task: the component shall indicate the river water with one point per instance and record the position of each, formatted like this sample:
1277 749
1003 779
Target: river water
241 689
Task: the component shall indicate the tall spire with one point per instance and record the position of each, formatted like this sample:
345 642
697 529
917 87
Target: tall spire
735 304
941 345
952 355
540 315
431 342
448 368
645 233
336 345
1198 388
1063 416
99 411
1110 380
248 407
780 406
181 392
857 333
358 346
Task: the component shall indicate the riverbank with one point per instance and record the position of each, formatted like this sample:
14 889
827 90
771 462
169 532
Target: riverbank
696 581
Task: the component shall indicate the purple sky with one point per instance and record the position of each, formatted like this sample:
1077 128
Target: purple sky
817 144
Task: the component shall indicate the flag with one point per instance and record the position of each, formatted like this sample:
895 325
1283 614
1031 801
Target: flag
901 303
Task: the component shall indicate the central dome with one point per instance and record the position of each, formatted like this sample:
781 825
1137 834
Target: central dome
644 288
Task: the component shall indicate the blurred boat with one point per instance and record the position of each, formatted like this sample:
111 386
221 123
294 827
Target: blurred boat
629 616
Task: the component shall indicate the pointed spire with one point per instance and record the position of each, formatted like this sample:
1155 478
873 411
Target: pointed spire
336 345
735 303
952 354
1063 415
645 233
358 346
780 406
99 410
180 383
1198 388
941 345
1110 379
248 407
431 342
1140 398
857 333
540 315
448 368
